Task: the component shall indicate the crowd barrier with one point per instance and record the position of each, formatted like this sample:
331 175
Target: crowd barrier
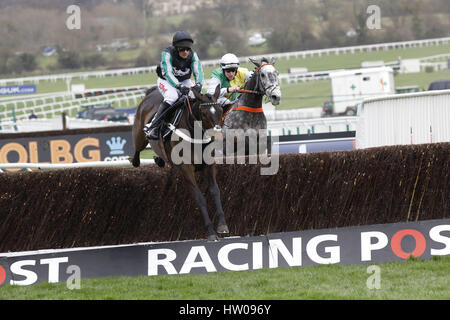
410 118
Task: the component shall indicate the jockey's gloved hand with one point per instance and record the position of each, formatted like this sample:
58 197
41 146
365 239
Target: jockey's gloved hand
197 87
183 89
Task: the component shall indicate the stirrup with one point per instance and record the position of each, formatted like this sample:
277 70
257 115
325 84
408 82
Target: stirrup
147 130
150 133
153 134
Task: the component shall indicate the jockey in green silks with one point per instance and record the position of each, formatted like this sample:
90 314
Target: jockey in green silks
231 77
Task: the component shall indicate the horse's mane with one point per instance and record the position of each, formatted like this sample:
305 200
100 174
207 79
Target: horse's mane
250 80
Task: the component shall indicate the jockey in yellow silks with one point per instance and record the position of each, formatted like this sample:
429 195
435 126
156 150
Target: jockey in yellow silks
230 77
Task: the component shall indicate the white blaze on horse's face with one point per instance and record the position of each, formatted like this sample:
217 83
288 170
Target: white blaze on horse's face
270 83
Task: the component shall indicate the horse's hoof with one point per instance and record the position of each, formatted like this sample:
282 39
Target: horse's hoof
160 162
213 238
223 229
136 162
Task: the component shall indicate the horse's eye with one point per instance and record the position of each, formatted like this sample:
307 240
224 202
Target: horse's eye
263 75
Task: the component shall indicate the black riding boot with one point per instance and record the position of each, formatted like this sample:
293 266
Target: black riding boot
152 130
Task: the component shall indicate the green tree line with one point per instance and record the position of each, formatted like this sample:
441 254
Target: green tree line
28 26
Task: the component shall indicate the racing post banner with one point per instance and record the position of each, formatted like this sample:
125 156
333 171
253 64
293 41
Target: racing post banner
347 246
68 146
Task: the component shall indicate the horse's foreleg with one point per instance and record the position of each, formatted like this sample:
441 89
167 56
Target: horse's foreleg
201 202
136 162
215 192
189 174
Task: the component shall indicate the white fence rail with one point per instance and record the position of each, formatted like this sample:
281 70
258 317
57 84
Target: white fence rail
78 75
92 164
310 126
410 118
36 125
306 76
284 55
276 127
291 114
63 103
437 57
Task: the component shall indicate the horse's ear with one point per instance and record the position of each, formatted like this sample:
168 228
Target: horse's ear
255 62
217 92
196 94
272 60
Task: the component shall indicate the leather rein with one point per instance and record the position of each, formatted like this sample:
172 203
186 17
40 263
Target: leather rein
252 109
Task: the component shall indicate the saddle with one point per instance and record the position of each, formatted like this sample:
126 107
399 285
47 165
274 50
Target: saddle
172 116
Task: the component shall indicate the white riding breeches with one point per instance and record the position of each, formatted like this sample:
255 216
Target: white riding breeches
170 93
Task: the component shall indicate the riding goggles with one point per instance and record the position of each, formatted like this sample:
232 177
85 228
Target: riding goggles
180 49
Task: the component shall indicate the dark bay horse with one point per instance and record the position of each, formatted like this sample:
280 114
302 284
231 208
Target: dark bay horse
203 113
247 114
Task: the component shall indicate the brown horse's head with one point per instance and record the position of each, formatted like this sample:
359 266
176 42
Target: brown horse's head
209 110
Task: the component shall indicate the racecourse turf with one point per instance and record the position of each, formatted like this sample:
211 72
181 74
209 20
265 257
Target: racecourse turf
411 279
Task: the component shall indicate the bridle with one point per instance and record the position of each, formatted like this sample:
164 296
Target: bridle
258 85
187 138
257 91
207 104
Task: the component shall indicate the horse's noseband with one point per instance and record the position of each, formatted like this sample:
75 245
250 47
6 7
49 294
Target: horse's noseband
258 84
209 104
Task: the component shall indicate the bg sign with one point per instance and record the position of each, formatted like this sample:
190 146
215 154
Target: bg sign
68 148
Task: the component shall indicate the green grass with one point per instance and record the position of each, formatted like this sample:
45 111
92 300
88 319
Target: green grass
412 279
422 79
304 94
315 93
354 60
295 95
147 154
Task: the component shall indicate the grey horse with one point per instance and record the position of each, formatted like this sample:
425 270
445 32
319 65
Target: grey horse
246 119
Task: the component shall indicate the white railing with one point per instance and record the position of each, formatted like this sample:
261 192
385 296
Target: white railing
78 75
437 57
276 127
93 164
311 126
36 125
292 114
424 62
33 97
32 101
410 118
306 76
437 66
284 55
50 110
